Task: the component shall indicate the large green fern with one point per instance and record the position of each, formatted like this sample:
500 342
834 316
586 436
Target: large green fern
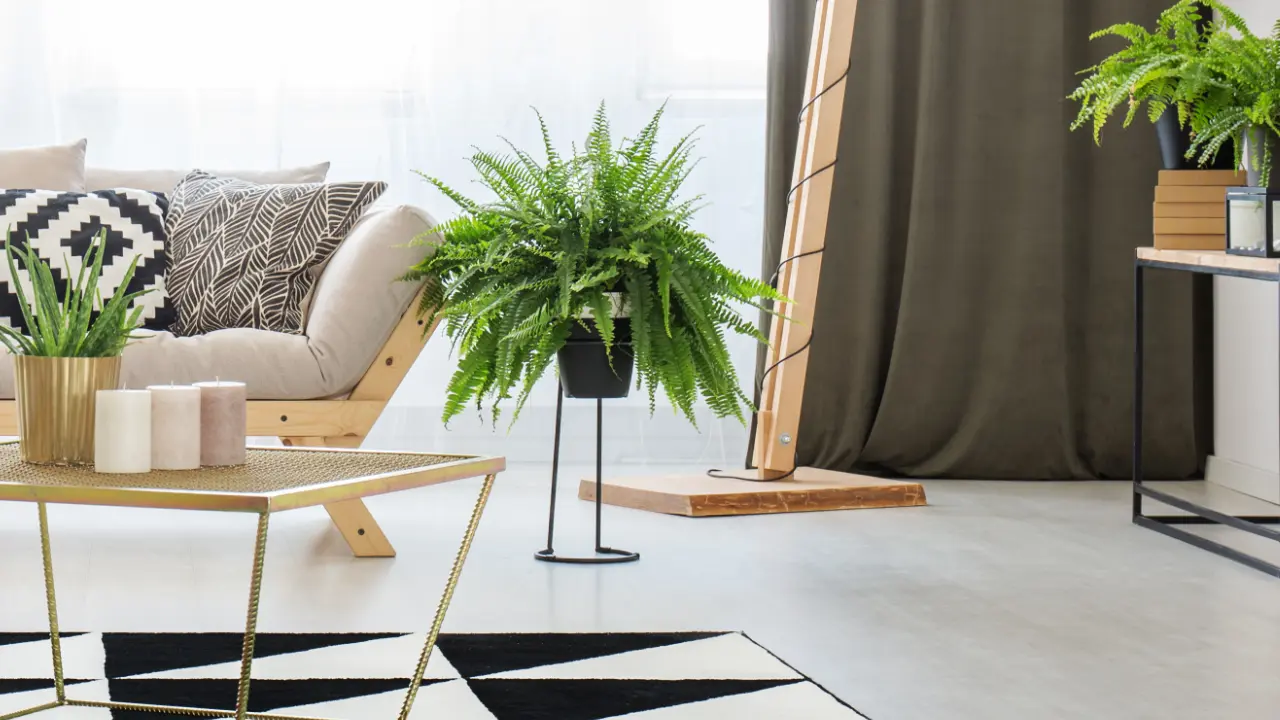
1222 79
1147 71
515 274
1233 86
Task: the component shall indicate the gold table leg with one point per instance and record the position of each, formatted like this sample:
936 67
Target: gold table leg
251 623
51 599
449 587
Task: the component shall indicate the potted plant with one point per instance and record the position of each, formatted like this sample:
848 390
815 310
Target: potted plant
1232 87
588 259
1150 71
70 351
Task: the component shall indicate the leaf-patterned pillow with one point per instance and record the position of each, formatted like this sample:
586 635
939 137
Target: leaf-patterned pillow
242 254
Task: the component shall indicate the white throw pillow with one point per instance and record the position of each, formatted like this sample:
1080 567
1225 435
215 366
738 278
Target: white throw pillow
52 167
165 181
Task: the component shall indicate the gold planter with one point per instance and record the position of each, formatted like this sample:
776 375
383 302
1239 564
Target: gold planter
56 398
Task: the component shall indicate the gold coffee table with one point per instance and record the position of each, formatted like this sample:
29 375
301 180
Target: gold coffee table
274 479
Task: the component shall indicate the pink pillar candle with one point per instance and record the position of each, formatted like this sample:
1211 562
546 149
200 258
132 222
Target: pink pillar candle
175 427
223 419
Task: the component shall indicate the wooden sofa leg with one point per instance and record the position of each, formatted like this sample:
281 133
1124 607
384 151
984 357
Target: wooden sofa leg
352 517
360 530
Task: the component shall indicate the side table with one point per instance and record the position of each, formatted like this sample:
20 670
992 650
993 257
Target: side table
1202 262
273 480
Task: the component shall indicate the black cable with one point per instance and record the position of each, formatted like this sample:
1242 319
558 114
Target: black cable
809 177
773 282
814 99
717 472
773 279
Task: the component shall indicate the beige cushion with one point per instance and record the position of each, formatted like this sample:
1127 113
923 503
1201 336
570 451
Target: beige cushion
54 167
166 180
356 305
359 300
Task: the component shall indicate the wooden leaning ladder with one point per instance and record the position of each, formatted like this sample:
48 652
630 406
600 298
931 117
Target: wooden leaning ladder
778 485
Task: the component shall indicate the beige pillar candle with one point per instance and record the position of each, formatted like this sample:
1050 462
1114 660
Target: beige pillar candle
175 427
122 431
222 423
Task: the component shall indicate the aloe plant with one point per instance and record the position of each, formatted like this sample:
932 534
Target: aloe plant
81 324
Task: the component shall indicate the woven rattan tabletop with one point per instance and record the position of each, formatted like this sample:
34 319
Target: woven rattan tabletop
273 479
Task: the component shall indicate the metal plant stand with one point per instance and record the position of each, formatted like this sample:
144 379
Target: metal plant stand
604 555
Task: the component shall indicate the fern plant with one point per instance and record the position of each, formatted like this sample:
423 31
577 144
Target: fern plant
1148 71
1232 87
81 324
1222 80
514 275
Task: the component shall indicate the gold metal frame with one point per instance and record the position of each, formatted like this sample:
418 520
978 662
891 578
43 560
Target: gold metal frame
264 505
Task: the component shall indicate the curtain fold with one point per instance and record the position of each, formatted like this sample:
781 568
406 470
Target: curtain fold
974 317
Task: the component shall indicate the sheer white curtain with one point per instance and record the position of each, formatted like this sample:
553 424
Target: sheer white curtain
384 87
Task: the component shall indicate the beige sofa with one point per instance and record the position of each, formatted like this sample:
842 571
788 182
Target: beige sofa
325 387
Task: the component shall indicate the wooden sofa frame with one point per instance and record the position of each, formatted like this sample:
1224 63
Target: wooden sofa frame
331 423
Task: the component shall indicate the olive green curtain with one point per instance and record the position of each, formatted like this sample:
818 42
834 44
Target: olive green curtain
975 312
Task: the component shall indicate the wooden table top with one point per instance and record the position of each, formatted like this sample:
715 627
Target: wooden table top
1211 261
273 479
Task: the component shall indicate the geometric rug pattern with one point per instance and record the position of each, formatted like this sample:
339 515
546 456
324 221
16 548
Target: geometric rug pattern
362 676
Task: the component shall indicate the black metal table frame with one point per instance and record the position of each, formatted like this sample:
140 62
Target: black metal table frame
1198 514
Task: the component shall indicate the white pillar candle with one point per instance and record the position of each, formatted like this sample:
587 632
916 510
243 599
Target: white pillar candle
122 431
223 417
175 427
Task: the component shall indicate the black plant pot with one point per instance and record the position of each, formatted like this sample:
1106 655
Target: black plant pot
1254 138
584 365
1175 141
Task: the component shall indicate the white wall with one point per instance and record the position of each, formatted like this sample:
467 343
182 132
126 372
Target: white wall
1246 359
1261 14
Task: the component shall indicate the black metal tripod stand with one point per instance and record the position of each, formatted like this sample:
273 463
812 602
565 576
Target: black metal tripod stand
604 555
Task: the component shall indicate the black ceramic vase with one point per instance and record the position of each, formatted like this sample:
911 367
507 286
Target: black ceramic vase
1255 138
584 365
1175 141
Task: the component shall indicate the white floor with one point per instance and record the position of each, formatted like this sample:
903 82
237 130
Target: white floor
1001 600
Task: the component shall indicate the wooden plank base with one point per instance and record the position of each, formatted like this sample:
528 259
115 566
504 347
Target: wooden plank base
810 490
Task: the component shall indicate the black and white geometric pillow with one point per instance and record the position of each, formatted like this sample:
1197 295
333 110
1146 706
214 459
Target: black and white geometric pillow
60 225
242 254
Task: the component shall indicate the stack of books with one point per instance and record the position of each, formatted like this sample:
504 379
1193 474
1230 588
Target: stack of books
1190 212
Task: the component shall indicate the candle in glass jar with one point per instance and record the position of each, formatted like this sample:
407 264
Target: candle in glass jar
122 431
222 423
175 427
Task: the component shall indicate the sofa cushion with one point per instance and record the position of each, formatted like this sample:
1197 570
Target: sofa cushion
54 167
273 365
359 298
355 307
242 253
61 226
166 180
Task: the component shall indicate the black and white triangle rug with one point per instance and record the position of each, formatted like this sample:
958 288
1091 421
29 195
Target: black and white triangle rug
642 676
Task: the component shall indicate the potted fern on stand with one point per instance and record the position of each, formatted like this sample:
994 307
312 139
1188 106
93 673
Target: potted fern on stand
70 349
587 259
